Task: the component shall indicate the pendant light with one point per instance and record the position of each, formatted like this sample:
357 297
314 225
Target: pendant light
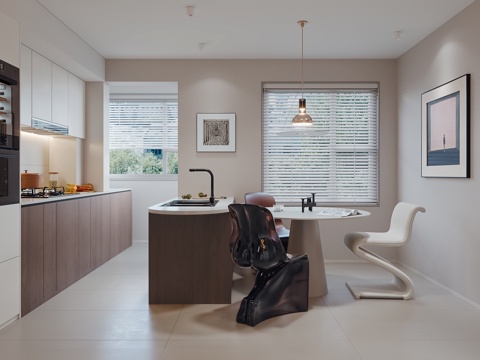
302 118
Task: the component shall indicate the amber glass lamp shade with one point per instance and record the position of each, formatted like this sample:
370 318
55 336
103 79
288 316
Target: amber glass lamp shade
302 118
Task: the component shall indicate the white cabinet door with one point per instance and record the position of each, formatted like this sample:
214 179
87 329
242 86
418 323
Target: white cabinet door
41 87
10 40
9 291
76 106
10 234
26 85
59 95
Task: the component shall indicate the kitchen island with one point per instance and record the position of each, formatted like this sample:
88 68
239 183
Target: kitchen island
189 257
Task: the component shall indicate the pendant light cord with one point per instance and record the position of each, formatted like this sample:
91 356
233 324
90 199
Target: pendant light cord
302 24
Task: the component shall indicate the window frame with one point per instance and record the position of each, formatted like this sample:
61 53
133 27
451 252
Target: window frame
145 177
322 86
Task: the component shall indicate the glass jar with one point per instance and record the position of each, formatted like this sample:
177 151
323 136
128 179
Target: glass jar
53 181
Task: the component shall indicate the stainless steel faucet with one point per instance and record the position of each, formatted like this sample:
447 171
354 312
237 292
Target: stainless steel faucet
212 196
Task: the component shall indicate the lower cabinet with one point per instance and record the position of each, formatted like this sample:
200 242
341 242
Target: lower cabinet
9 290
63 241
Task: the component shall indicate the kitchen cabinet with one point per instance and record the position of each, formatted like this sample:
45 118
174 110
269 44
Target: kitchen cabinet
9 43
10 232
41 87
120 209
76 106
51 93
100 230
9 214
25 85
62 241
9 263
9 291
32 258
59 95
38 281
73 241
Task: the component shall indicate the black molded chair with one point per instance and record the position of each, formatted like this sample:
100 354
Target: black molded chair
281 285
267 200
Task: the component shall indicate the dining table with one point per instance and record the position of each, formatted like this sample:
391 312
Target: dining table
305 237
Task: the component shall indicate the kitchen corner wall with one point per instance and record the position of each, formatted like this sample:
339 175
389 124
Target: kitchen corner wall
235 86
445 245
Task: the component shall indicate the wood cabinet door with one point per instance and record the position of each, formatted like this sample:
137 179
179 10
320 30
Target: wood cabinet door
49 251
32 258
73 241
100 230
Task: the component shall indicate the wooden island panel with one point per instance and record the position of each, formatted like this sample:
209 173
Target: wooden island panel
189 259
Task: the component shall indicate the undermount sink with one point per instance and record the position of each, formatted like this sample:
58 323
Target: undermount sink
190 202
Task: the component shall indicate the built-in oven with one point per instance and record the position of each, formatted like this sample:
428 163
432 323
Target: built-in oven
9 177
9 134
9 106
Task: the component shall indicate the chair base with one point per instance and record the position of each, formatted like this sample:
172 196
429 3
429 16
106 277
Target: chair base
386 290
278 291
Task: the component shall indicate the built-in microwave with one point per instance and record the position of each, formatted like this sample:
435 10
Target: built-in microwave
9 106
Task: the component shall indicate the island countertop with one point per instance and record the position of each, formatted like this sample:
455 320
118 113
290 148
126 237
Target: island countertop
219 208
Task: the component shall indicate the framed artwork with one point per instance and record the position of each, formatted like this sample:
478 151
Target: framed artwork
215 132
445 130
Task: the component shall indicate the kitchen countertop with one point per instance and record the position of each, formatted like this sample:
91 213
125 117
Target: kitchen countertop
78 195
221 207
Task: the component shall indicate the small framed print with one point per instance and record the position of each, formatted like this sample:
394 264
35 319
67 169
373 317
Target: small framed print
445 130
215 132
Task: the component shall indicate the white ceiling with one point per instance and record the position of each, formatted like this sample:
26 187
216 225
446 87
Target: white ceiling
253 29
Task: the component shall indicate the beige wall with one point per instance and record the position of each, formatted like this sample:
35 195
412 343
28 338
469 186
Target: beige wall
446 243
217 86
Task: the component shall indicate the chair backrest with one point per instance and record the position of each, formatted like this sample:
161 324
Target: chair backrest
254 241
401 223
262 199
259 198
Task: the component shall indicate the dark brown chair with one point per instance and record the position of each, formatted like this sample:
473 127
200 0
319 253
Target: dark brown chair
281 285
267 200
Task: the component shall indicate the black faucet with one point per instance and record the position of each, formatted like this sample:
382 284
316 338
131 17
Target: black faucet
310 203
212 197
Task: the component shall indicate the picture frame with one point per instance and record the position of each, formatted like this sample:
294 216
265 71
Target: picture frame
215 132
446 130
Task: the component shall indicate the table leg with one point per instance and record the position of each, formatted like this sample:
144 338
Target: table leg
305 238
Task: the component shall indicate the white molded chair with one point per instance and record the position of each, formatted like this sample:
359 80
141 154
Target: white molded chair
401 287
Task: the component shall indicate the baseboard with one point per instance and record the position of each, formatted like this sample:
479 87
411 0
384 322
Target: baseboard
441 286
416 272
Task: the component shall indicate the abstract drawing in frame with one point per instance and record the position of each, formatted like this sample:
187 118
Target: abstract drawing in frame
215 132
445 130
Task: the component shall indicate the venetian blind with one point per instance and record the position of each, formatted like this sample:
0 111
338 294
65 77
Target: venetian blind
143 124
341 164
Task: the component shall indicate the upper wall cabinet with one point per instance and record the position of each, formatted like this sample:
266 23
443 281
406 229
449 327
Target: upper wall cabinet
25 85
76 106
41 87
9 43
50 93
59 95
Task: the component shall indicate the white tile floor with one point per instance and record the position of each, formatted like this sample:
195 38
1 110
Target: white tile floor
106 316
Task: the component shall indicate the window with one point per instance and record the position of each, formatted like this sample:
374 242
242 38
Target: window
341 164
143 137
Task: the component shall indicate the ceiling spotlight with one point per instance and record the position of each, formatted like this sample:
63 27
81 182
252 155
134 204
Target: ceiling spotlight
190 10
